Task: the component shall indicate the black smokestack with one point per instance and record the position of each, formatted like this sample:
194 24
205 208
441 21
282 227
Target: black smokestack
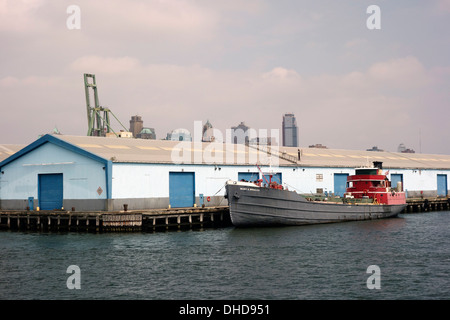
378 164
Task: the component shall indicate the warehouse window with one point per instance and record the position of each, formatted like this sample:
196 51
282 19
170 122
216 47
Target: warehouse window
319 177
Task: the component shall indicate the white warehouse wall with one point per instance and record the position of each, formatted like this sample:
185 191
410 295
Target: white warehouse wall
131 180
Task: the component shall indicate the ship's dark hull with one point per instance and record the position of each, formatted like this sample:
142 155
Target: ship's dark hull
255 206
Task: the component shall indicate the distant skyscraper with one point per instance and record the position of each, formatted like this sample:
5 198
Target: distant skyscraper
208 132
290 131
136 125
240 134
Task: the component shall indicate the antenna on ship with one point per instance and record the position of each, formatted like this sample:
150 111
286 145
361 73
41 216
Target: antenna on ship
264 177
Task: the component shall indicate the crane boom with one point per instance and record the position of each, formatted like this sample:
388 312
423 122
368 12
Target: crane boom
97 116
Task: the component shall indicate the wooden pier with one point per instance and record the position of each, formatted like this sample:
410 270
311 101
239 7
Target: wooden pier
426 204
120 221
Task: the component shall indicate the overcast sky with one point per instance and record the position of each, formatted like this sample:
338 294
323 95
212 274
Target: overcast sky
174 62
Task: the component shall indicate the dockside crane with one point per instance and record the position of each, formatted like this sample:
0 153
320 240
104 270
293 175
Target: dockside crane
98 116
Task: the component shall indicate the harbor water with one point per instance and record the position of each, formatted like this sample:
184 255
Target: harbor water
411 252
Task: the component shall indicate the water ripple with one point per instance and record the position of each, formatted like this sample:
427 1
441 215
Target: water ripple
313 262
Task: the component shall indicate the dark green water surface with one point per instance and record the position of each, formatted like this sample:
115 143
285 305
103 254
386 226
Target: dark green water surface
313 262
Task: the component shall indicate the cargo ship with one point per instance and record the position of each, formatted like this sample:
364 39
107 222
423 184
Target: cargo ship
369 195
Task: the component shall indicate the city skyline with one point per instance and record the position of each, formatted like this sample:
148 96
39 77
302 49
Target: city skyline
179 61
238 134
208 132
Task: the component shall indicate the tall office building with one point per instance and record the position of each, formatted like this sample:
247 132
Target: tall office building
208 132
240 134
290 131
136 125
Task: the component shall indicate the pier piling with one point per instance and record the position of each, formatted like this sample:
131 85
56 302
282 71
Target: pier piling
415 205
146 220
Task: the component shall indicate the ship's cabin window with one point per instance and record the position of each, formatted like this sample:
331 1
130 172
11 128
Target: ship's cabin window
378 184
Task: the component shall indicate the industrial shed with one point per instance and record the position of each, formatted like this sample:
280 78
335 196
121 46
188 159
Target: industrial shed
99 173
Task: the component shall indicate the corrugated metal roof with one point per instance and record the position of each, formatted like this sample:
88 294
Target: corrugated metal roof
355 158
7 150
163 151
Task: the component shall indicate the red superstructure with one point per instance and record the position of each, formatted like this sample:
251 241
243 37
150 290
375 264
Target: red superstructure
371 183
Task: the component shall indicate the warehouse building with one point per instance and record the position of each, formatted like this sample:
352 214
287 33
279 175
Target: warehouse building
102 173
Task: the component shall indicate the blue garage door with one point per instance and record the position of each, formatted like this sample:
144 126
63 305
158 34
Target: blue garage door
248 176
442 185
50 191
340 184
181 189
